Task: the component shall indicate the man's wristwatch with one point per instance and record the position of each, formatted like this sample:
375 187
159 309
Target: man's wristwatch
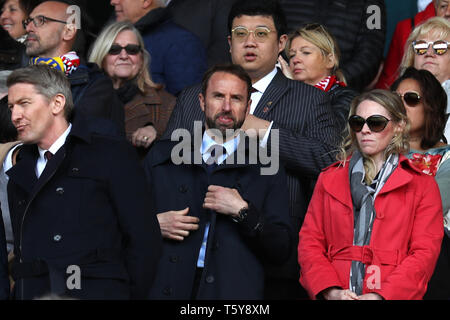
241 215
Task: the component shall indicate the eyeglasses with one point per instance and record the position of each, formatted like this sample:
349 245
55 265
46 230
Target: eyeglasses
131 49
261 34
376 123
440 47
411 98
39 21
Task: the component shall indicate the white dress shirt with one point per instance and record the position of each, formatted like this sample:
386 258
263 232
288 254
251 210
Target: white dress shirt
261 85
42 161
207 144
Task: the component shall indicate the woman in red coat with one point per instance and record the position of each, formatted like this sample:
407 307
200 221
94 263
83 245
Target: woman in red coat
373 229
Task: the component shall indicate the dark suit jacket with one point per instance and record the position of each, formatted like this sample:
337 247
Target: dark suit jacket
89 208
208 20
236 251
307 137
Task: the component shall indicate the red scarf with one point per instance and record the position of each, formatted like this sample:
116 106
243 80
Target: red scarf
327 83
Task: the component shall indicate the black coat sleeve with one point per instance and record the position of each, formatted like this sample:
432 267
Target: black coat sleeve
4 278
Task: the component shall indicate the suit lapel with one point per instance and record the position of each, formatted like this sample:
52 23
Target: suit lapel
276 89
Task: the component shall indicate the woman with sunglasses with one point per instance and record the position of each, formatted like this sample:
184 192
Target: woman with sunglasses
314 59
428 48
119 50
373 229
426 103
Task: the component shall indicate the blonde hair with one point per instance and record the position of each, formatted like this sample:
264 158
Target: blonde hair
437 26
319 36
105 40
399 143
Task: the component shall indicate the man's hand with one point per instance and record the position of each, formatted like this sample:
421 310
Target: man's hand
143 137
224 200
176 225
254 126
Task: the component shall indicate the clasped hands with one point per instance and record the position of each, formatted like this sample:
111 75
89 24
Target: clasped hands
177 224
347 294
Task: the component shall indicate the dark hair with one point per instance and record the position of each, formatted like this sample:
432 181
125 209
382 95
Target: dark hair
434 103
46 81
233 69
28 5
270 8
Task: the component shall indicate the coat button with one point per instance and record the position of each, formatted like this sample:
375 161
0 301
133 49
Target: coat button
57 237
167 291
174 259
75 170
21 202
183 188
60 190
209 279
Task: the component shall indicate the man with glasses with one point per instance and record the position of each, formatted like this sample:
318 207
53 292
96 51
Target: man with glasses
53 38
300 113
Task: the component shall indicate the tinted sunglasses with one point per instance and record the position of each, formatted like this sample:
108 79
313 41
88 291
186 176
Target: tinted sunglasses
420 47
411 98
131 49
376 123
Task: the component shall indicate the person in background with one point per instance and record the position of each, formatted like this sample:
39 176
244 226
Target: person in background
373 229
52 39
13 13
426 104
119 50
359 28
428 48
314 58
178 56
391 67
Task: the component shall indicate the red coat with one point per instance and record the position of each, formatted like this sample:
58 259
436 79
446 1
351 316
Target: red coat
405 242
397 47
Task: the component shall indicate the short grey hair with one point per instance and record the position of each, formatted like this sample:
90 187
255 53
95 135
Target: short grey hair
47 81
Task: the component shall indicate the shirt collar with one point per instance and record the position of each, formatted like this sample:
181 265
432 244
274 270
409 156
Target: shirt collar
58 143
207 142
262 84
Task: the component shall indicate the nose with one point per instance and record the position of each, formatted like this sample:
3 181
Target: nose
123 54
5 14
226 106
250 39
365 129
16 114
114 2
29 27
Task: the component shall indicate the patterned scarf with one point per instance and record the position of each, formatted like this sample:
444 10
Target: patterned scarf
327 83
363 197
66 63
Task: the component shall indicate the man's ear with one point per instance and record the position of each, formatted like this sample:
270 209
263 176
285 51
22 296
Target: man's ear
282 42
57 104
145 4
229 42
201 98
70 32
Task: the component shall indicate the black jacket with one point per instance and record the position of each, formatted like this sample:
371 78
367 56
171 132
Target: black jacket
236 252
90 209
94 96
361 48
340 100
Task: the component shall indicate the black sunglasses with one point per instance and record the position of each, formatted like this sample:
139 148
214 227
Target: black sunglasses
376 123
411 98
131 49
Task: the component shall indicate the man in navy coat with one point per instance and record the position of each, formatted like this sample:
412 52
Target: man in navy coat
234 215
78 200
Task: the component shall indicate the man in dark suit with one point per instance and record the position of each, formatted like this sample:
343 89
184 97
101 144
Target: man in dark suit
300 113
237 216
78 200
